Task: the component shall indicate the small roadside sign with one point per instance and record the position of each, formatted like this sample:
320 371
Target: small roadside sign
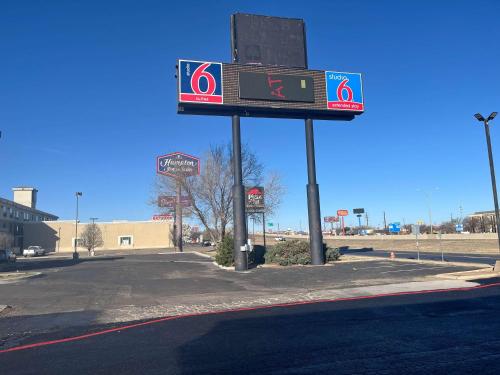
394 228
415 229
459 228
342 212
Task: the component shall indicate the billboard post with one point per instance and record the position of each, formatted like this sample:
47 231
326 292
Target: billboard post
239 222
239 214
313 210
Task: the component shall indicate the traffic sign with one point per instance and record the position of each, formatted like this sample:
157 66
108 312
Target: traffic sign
394 227
459 228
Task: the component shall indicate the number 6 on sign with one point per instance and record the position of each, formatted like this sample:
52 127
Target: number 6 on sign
344 91
200 82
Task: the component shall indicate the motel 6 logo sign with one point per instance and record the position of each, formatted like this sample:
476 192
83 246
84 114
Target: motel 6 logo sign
200 82
344 91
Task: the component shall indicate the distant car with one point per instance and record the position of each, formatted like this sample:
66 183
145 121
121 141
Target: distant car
205 243
33 251
7 256
280 239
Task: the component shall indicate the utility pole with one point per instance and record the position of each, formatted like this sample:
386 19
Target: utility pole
75 253
385 222
366 218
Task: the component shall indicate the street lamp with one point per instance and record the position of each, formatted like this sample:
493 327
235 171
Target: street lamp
428 196
75 253
479 117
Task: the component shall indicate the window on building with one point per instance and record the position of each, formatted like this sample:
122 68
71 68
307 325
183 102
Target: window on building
125 240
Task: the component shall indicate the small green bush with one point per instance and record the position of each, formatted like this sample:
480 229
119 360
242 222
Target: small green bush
224 252
332 254
296 252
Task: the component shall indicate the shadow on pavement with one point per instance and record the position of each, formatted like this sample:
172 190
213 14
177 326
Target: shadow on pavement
450 333
44 263
344 250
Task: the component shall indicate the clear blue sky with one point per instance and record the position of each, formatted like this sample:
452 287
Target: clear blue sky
88 100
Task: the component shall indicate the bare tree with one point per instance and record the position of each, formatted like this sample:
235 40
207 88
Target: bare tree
92 237
211 193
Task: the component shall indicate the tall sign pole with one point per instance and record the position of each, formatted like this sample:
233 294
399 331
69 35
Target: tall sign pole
239 214
239 222
178 216
313 210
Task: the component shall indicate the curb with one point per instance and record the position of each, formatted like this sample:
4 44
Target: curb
484 273
18 276
359 258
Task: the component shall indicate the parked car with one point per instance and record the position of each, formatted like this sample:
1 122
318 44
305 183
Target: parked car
33 251
280 239
7 256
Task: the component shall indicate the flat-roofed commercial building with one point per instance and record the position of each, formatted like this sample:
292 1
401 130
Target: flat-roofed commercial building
14 214
59 236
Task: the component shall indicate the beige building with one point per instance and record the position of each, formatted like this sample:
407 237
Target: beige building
16 213
59 236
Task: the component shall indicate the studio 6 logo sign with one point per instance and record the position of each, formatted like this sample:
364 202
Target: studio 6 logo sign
200 82
344 91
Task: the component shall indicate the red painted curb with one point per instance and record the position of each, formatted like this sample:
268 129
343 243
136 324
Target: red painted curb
296 303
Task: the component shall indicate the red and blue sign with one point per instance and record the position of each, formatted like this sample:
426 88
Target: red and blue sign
344 91
200 82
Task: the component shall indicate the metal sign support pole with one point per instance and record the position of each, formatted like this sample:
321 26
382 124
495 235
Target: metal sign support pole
264 228
315 235
178 217
239 224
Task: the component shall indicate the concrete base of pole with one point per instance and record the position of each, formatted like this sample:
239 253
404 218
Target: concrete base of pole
239 225
315 234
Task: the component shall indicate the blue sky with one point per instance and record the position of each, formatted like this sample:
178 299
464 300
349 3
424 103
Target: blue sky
88 100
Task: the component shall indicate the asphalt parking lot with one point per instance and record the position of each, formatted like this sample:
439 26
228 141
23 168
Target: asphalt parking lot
119 288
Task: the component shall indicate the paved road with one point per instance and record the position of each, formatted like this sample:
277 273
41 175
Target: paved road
438 333
113 289
448 257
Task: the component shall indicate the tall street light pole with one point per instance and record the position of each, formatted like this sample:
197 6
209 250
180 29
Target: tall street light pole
75 253
479 117
428 196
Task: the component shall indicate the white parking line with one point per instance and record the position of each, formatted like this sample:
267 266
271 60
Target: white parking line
369 268
414 269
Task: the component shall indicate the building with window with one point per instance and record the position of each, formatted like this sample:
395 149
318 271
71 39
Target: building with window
14 214
59 236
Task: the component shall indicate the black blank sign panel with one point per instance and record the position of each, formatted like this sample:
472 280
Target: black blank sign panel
266 40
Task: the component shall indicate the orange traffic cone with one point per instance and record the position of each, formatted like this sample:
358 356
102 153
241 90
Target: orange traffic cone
393 256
